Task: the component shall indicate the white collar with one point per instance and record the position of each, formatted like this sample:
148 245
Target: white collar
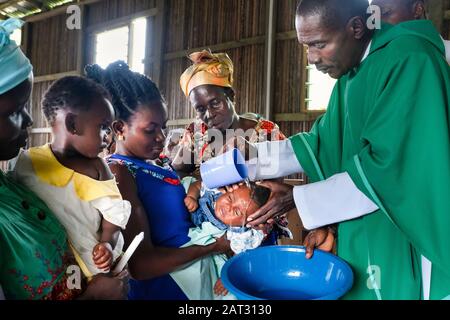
366 53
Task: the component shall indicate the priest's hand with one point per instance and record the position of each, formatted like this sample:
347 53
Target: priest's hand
281 201
321 238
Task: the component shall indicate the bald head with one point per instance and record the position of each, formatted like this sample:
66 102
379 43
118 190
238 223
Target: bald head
397 11
334 13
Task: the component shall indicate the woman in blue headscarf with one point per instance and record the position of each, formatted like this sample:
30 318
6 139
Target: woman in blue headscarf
34 253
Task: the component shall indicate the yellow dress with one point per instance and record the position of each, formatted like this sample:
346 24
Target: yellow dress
78 201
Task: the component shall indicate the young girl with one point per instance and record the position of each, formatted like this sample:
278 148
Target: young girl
70 177
167 265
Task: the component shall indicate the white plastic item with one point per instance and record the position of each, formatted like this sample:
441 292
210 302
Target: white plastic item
127 255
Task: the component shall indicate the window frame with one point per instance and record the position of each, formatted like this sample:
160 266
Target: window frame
306 86
127 21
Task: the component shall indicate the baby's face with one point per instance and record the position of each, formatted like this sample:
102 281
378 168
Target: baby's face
233 208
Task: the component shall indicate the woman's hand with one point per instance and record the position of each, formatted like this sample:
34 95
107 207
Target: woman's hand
281 201
321 238
104 287
191 204
222 245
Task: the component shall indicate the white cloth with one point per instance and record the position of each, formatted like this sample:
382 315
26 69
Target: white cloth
426 277
447 50
331 201
81 219
275 159
319 204
197 279
243 241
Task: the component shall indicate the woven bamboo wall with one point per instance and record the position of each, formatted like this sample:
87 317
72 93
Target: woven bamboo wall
203 23
189 24
112 9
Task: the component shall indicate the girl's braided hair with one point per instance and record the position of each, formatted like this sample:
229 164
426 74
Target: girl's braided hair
71 92
128 89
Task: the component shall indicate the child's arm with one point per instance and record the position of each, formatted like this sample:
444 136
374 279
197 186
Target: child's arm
102 253
191 200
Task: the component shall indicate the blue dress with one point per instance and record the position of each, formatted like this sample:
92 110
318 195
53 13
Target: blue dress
162 196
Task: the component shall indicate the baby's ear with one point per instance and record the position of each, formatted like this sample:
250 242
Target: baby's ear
70 123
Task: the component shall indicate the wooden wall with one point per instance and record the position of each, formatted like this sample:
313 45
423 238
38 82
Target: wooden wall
238 27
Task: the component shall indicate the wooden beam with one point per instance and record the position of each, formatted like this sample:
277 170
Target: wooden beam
8 4
122 21
297 117
55 76
217 47
289 35
57 11
25 37
158 41
269 65
40 5
180 122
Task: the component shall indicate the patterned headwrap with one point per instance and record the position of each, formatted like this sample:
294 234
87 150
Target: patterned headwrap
208 68
15 67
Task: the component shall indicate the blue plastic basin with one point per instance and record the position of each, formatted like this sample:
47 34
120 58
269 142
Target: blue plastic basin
283 273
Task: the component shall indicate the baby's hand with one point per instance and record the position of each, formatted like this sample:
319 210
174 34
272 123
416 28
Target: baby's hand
102 256
219 288
191 204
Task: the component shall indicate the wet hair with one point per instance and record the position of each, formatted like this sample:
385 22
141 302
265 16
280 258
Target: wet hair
128 89
260 195
71 92
334 13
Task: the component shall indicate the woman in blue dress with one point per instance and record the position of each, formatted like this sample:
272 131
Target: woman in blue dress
155 192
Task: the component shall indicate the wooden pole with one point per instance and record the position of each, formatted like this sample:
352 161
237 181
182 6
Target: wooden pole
271 17
158 36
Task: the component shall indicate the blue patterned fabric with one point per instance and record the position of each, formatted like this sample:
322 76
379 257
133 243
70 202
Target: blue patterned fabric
162 196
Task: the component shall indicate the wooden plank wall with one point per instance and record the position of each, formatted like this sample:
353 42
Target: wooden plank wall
202 24
188 24
237 27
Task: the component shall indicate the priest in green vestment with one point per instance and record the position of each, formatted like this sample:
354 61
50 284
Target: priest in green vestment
379 158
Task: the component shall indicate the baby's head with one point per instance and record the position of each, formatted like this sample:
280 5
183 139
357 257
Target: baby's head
233 208
79 112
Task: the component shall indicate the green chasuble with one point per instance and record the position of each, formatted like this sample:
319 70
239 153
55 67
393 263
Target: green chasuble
387 126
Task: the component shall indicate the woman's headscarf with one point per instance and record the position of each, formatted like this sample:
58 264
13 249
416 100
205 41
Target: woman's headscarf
208 68
15 67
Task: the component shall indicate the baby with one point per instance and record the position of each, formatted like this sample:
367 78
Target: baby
68 175
229 212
